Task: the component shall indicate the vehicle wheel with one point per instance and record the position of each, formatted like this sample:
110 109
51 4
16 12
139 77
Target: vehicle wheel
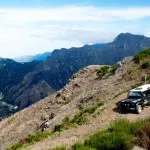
122 110
138 109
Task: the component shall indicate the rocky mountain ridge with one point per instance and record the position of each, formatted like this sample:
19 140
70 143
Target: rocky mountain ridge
53 74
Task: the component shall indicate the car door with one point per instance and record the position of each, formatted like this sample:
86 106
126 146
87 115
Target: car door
147 95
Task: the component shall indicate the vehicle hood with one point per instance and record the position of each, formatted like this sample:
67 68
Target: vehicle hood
130 100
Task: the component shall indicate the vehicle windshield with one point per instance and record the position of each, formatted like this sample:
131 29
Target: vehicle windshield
134 95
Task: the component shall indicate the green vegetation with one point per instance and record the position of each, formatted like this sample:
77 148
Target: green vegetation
92 109
113 69
143 136
120 135
102 71
145 65
58 128
110 70
79 146
60 148
79 119
142 55
147 78
31 139
16 146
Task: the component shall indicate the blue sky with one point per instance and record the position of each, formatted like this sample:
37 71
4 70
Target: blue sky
55 3
34 26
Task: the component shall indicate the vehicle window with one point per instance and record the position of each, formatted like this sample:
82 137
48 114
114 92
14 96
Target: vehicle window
147 92
134 95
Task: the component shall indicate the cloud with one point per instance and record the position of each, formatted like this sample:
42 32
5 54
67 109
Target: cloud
74 14
31 31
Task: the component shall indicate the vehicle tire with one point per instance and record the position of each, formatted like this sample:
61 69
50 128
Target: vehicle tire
122 110
138 109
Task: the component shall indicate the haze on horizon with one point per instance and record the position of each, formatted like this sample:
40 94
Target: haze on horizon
35 26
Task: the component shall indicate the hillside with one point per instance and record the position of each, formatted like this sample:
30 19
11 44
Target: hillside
83 91
11 73
53 74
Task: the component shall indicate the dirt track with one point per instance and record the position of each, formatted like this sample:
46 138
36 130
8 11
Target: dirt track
69 137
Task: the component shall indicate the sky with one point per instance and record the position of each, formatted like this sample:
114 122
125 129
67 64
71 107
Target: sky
35 26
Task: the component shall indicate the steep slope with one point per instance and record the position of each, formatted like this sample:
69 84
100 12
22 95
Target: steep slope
11 73
84 90
53 74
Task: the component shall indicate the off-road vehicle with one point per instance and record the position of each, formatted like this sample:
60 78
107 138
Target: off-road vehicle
137 99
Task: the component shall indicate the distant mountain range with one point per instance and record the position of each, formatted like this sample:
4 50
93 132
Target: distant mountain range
36 82
38 57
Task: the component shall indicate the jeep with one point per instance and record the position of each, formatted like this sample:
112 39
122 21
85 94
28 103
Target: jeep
137 99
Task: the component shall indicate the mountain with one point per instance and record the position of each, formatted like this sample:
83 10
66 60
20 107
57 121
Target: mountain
87 103
54 73
11 73
38 57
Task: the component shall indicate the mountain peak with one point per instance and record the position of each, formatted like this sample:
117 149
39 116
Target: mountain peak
128 35
129 38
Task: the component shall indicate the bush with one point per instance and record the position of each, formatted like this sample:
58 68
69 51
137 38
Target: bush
110 141
113 69
145 65
79 119
32 138
144 136
92 109
102 71
79 146
142 55
58 128
16 146
60 148
119 136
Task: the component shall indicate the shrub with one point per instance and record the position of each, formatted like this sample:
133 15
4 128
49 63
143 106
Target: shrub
32 138
102 71
79 119
142 55
92 109
144 136
110 141
16 146
60 148
79 146
113 69
145 65
119 136
58 128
